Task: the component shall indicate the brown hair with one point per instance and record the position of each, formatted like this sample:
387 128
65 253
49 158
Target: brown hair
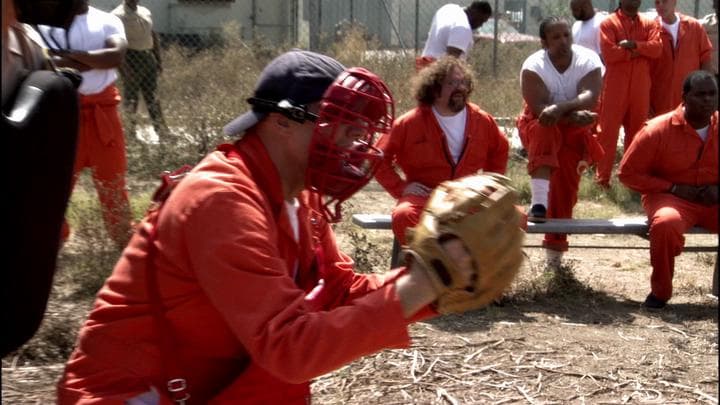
428 82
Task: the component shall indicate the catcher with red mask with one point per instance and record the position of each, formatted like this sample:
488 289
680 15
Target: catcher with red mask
233 289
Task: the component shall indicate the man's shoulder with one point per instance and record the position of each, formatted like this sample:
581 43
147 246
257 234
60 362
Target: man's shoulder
118 11
534 60
412 115
585 56
690 21
477 112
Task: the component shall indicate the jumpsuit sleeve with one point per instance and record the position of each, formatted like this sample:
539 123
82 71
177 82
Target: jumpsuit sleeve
636 166
391 144
498 155
652 48
233 247
611 51
705 46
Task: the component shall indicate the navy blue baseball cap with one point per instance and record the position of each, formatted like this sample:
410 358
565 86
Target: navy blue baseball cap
297 77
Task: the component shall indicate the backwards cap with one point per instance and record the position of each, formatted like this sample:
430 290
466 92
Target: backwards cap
298 77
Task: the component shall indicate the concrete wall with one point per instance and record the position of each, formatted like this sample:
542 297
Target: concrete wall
272 20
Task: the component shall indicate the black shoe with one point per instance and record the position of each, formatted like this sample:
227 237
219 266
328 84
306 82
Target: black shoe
653 302
538 214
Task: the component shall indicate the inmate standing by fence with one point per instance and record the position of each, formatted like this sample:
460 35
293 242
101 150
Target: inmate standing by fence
141 68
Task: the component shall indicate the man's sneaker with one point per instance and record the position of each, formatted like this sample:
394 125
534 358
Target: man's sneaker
653 302
537 214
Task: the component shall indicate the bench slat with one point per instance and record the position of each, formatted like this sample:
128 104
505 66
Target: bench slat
618 226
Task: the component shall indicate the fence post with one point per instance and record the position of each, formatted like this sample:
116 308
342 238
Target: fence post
495 37
417 26
352 15
697 11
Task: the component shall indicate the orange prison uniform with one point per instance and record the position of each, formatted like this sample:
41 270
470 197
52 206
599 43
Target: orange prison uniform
676 62
626 85
234 285
101 147
417 145
423 61
561 147
668 151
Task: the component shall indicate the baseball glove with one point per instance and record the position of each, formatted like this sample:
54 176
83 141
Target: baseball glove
480 211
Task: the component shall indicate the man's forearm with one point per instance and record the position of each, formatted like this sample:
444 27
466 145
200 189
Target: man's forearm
98 59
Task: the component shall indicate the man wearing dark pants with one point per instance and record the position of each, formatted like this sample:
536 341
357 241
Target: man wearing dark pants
141 67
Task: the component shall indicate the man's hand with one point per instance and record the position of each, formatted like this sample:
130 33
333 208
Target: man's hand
582 117
415 289
418 189
627 44
550 115
706 195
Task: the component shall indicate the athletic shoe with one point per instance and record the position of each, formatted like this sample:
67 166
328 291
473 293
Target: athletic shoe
653 302
537 214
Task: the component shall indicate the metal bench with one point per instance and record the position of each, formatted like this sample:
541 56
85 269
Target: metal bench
618 226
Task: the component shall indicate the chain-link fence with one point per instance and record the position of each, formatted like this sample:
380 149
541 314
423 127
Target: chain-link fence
314 24
213 50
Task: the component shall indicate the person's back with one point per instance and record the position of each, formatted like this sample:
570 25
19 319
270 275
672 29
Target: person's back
449 28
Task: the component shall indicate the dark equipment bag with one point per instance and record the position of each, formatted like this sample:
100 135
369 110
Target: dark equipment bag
39 132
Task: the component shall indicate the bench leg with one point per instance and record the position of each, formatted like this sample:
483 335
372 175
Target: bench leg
395 259
715 287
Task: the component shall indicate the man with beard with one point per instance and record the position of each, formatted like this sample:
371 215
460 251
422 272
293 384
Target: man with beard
445 137
560 86
451 31
673 163
586 30
685 48
628 43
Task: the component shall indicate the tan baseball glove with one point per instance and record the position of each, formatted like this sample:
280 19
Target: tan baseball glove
480 211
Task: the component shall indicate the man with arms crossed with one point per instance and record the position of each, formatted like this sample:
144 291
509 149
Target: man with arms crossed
560 86
628 43
95 45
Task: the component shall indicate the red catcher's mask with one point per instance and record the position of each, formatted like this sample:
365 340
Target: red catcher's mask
342 158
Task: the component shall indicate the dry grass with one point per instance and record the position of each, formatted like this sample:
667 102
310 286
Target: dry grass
577 336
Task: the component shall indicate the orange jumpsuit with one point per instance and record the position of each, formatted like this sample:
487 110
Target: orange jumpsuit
101 147
676 62
423 61
668 151
234 283
417 145
560 147
626 85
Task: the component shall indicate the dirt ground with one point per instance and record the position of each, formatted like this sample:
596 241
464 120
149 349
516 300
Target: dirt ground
576 336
